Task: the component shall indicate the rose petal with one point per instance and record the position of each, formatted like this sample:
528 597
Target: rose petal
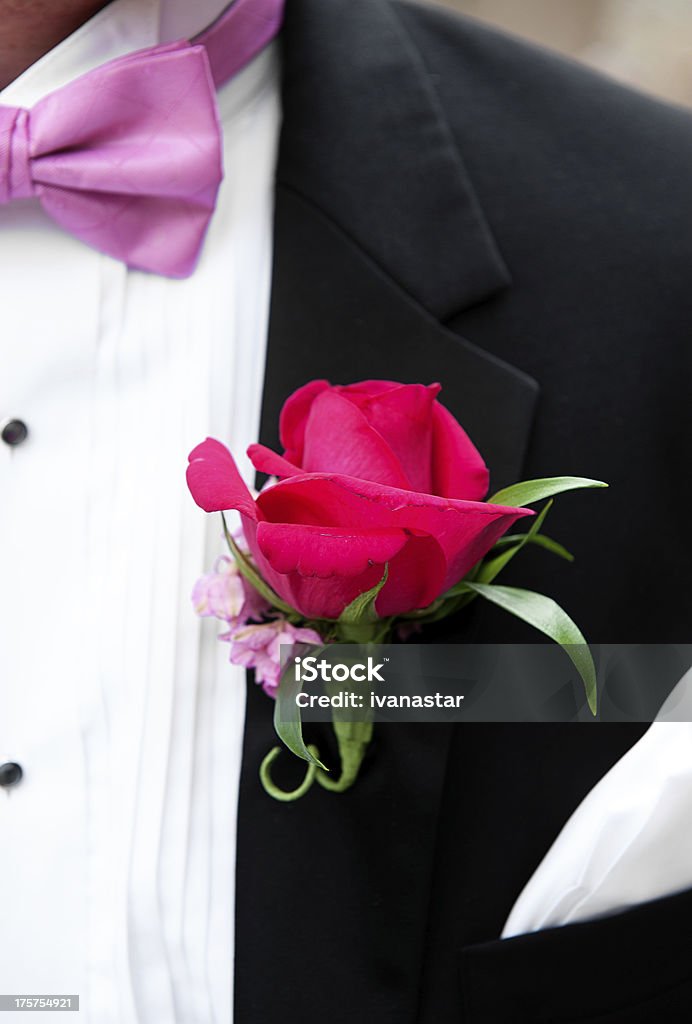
310 595
403 416
266 461
458 471
293 419
339 439
215 482
416 577
465 530
364 390
326 551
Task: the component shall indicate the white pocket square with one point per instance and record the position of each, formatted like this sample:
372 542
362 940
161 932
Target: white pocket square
629 841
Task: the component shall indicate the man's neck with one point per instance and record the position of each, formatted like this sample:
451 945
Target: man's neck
30 28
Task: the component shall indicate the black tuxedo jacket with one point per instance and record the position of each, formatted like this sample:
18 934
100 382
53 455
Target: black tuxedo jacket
454 205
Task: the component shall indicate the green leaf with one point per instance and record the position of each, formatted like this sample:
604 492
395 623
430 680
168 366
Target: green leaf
519 495
287 721
362 608
247 569
547 616
540 539
492 566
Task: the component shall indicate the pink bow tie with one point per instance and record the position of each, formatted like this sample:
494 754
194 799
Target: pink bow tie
128 157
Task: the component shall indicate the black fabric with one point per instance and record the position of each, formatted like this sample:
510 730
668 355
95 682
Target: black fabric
632 968
455 205
332 894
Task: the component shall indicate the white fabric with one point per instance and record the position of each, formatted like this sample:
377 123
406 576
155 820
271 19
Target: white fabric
117 849
678 706
629 841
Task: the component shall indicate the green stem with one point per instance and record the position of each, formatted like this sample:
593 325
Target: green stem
353 739
286 795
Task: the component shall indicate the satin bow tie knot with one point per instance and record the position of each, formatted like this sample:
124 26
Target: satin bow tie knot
127 157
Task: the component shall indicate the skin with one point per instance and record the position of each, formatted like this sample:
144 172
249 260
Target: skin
29 28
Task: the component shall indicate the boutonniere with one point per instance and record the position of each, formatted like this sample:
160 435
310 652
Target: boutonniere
374 522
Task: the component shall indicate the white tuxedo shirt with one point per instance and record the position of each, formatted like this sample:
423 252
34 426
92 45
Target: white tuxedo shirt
117 848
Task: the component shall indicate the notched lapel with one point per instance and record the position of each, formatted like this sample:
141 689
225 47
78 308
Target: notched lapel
336 314
379 235
365 139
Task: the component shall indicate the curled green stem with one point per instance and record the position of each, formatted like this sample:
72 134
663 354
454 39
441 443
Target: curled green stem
286 795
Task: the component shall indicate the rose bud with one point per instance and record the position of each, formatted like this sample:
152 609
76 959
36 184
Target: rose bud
374 473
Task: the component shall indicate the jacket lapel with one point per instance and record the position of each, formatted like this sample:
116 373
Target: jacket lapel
365 141
337 314
378 237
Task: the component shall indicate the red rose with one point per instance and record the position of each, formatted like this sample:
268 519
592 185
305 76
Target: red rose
374 473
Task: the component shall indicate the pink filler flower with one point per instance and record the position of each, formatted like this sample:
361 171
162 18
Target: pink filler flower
259 647
226 595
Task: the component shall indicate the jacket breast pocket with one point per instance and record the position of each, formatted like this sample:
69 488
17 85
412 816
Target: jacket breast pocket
633 967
